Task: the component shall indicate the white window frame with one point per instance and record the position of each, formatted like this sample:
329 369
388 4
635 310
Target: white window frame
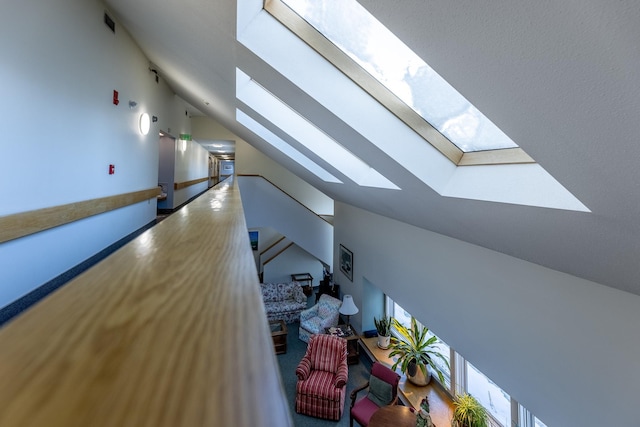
520 416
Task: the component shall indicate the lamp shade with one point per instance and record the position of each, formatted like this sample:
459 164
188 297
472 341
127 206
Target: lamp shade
348 307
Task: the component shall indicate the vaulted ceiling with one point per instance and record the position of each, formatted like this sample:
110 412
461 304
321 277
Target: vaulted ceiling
560 78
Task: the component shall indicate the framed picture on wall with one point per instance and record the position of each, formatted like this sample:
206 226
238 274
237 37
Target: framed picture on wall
253 238
346 262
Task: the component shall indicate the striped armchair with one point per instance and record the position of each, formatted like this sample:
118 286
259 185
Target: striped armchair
322 378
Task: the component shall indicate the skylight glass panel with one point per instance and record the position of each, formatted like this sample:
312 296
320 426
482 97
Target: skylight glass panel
285 148
306 133
352 29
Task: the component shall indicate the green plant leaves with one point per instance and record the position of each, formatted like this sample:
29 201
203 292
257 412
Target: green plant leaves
414 345
468 412
383 326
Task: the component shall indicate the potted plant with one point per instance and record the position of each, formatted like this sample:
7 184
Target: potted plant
468 412
383 326
415 351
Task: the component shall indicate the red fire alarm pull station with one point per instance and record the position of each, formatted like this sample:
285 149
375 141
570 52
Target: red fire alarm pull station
112 169
116 101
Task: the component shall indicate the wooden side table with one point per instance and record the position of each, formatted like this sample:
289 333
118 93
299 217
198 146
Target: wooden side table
279 335
353 350
304 277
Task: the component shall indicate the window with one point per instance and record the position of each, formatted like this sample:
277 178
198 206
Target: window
348 94
304 132
445 350
398 78
404 318
469 379
527 419
539 423
285 148
492 397
386 58
399 313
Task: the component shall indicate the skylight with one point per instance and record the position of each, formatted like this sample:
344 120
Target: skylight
285 148
364 39
306 133
351 97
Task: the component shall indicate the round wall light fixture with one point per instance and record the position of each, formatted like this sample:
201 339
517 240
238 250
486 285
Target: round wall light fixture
145 123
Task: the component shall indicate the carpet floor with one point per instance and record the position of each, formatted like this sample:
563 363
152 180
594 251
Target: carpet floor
358 375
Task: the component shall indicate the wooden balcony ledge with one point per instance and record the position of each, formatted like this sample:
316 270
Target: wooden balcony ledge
170 330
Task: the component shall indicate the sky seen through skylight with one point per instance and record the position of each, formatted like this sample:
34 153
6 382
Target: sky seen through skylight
352 29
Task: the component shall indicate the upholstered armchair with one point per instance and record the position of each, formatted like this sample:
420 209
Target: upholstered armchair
315 319
322 378
383 390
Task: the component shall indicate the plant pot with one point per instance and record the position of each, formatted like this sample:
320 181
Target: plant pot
415 375
383 342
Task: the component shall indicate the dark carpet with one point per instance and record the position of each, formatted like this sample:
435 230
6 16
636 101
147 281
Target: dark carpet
358 375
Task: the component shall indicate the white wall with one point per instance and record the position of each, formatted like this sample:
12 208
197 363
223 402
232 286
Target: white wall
227 168
191 163
294 260
60 65
251 161
566 348
267 236
166 169
266 206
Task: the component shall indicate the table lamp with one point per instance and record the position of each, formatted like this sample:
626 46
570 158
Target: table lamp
348 308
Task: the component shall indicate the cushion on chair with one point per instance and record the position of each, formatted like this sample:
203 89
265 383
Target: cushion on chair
326 355
380 392
319 384
328 306
385 374
269 292
363 411
290 292
308 313
383 390
314 325
325 310
324 314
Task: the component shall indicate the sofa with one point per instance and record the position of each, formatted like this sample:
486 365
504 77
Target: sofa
283 301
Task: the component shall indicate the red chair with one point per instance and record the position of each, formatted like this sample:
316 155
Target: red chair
383 390
322 378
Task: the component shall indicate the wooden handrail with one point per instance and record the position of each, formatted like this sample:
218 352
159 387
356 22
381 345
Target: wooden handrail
185 184
277 253
287 194
167 331
272 245
23 224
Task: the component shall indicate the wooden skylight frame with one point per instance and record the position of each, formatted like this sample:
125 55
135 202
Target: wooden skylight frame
385 97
